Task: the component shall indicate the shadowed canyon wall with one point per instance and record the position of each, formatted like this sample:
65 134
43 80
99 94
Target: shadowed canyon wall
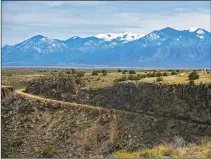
185 102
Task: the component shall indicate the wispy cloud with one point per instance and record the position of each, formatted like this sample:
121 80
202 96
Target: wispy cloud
55 3
63 19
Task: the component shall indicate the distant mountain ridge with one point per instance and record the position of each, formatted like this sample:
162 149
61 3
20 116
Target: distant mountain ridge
161 48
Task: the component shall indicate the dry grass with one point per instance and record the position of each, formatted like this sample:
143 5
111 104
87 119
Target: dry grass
100 81
202 150
34 75
17 81
125 155
181 78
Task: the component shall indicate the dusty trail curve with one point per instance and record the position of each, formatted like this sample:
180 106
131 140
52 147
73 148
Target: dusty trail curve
30 96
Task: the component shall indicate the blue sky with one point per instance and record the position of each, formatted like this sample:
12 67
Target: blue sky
64 19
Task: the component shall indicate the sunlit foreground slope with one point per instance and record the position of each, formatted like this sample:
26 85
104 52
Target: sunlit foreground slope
165 151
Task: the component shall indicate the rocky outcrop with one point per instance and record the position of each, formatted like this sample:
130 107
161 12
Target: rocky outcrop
56 87
186 102
6 91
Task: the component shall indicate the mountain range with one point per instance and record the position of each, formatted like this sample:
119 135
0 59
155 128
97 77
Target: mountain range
165 48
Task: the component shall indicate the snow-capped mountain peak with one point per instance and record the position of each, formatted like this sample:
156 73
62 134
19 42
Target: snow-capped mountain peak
41 44
121 36
38 38
107 37
192 29
165 47
153 36
75 37
200 31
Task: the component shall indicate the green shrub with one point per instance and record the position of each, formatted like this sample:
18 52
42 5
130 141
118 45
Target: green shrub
80 74
95 73
48 151
132 77
125 71
140 76
119 70
68 72
151 74
158 74
61 74
165 74
104 72
116 81
132 72
193 75
174 73
154 74
159 79
74 71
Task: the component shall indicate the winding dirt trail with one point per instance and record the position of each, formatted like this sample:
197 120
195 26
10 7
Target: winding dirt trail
31 96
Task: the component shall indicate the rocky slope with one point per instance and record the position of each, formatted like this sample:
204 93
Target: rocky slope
32 128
